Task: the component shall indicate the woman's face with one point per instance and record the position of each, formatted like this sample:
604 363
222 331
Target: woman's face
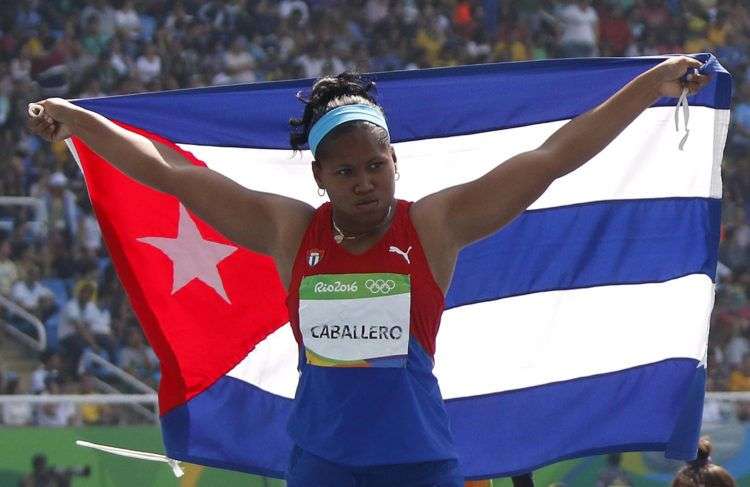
358 172
86 293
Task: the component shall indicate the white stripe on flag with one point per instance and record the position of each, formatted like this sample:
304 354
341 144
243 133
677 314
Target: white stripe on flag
272 365
554 336
643 162
537 338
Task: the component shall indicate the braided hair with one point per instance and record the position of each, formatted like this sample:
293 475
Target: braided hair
701 472
332 92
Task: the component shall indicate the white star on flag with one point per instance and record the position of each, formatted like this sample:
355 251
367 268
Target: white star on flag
192 256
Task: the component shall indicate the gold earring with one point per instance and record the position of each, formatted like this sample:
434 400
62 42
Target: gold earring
321 192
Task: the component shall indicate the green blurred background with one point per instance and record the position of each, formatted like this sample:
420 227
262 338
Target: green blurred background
18 445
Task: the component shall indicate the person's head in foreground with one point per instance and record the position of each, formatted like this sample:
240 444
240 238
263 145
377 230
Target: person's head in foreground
353 158
702 472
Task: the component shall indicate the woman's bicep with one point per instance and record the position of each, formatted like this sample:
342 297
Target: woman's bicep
253 219
478 208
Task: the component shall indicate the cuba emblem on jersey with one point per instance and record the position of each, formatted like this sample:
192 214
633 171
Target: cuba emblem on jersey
314 256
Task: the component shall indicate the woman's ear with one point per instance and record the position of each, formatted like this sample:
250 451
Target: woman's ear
316 170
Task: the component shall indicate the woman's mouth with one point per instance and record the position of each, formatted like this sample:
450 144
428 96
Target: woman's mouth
367 205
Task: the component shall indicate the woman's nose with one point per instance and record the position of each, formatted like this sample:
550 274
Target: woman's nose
364 184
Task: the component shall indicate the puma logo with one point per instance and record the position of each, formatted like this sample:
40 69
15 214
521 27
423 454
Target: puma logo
400 252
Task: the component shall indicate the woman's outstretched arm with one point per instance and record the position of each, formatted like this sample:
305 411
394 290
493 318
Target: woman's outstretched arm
263 222
471 211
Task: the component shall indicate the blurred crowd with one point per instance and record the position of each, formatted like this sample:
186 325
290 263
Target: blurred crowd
52 261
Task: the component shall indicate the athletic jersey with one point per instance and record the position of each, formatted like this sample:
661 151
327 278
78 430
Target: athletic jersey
366 327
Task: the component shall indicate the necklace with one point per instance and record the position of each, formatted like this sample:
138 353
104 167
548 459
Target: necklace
340 237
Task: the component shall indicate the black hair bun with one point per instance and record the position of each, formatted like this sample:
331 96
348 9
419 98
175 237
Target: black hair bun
328 93
345 84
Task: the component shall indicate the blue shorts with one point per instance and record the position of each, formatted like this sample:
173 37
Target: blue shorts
306 470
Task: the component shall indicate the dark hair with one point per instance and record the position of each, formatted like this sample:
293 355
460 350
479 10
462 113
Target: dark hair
46 355
332 92
701 472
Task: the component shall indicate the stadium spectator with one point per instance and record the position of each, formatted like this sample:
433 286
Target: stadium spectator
127 22
238 63
8 268
40 475
613 475
312 62
20 67
178 19
15 413
523 480
654 15
49 68
56 414
741 121
376 10
718 370
32 295
739 380
738 346
94 42
49 367
119 61
139 359
718 28
614 33
89 234
463 19
734 53
71 262
148 65
45 475
61 208
289 8
14 174
84 325
91 413
104 12
5 90
93 89
580 29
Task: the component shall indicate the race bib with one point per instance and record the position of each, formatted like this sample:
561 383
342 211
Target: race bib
355 320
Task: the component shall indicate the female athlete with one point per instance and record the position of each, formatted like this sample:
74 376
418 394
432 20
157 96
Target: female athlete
366 273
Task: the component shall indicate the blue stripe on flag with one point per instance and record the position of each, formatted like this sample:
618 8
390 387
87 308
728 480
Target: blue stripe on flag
418 104
686 434
592 244
231 425
237 426
590 416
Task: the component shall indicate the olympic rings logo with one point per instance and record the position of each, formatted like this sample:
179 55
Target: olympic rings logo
381 286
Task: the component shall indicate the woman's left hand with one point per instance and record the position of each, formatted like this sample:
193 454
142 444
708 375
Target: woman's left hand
670 73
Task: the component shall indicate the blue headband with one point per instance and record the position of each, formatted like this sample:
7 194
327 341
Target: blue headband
337 116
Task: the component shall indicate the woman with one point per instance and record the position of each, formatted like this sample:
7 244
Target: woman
366 274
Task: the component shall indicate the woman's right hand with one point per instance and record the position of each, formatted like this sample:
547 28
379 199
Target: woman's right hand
53 124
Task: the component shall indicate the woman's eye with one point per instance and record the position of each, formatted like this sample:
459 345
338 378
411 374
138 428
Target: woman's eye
376 165
343 172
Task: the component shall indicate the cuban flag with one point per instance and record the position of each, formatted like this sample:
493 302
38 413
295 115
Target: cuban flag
579 328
